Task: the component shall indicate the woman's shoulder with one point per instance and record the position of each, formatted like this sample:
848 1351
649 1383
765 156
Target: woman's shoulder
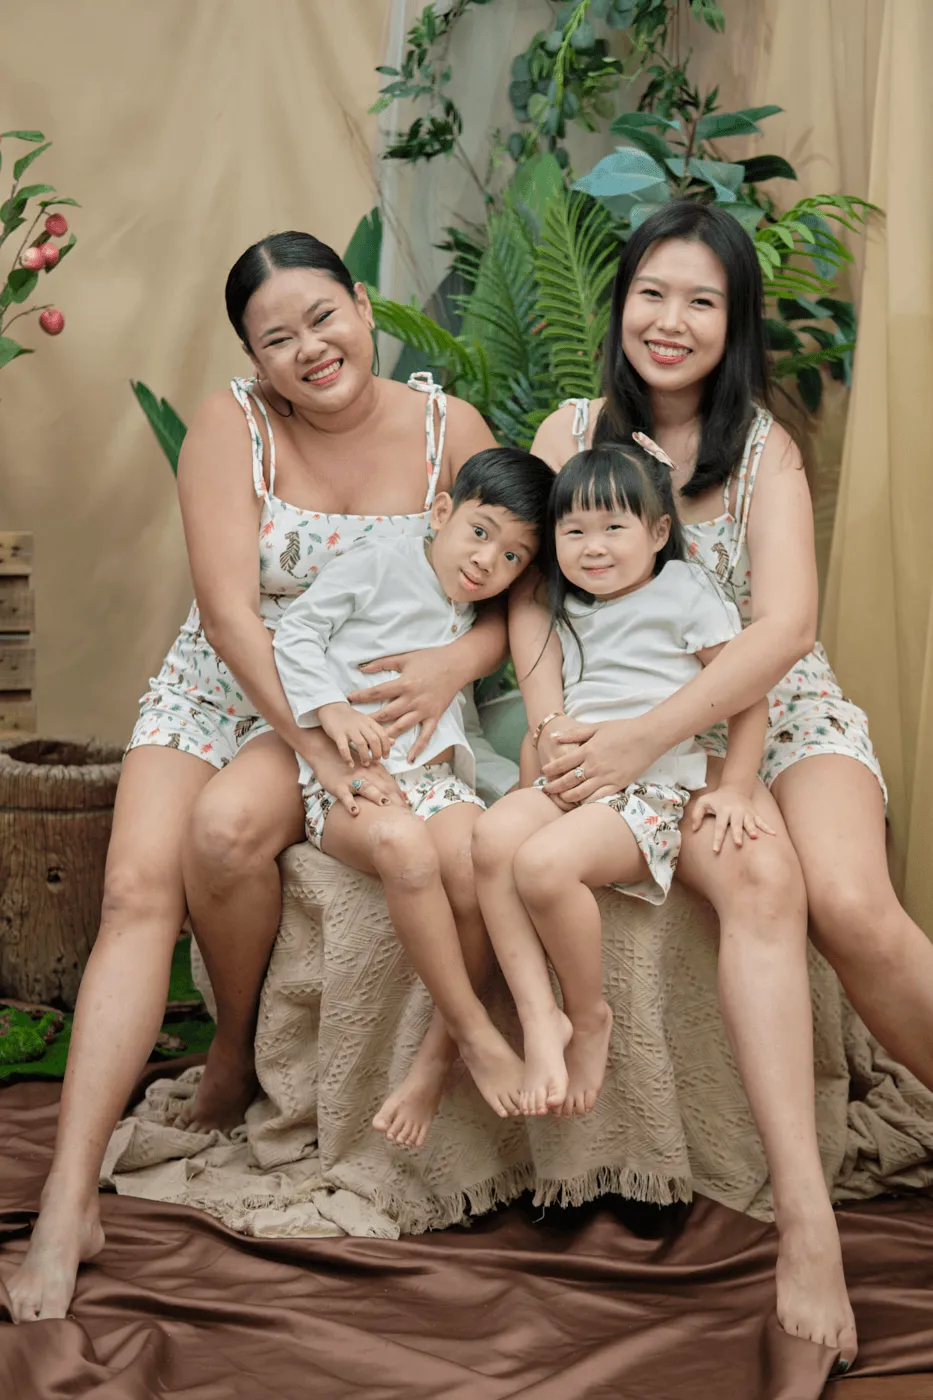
780 452
555 441
219 413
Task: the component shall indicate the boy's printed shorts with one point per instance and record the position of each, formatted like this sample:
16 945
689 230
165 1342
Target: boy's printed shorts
428 789
653 812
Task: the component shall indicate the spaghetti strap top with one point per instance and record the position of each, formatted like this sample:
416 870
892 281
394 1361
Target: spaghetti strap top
295 544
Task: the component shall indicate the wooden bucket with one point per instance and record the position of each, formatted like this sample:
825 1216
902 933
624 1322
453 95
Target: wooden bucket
56 809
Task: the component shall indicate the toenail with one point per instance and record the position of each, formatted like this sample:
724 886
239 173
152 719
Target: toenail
841 1367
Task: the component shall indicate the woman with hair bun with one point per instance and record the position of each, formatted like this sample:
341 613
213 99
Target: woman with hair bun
277 474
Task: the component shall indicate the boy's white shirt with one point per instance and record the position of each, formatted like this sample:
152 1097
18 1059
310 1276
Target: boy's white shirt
381 598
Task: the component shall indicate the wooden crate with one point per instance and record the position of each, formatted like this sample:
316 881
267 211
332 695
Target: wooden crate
17 638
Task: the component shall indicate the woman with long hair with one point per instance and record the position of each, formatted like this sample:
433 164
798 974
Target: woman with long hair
686 363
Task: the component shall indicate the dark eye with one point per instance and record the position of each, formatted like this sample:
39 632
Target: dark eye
479 532
650 292
702 301
512 557
323 317
281 341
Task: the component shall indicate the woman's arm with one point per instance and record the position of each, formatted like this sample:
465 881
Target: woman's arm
428 680
220 514
782 630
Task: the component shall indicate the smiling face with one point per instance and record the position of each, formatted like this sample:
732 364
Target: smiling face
479 550
608 551
674 318
309 339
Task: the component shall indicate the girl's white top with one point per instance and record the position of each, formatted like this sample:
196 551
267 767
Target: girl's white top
382 598
641 648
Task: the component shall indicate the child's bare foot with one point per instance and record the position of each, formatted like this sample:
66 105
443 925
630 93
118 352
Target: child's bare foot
496 1069
227 1088
586 1057
812 1301
545 1084
406 1115
64 1236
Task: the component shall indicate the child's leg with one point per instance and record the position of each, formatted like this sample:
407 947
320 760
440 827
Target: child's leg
407 1113
397 846
499 835
555 873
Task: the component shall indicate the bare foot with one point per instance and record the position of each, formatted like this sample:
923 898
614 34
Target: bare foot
496 1069
545 1084
586 1057
406 1115
812 1301
64 1236
226 1090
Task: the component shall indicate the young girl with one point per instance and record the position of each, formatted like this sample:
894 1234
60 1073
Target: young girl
634 622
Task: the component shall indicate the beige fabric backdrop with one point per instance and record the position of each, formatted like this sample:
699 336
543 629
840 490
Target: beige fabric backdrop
877 618
187 131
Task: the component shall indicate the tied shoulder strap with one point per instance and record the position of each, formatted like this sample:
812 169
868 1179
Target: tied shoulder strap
435 428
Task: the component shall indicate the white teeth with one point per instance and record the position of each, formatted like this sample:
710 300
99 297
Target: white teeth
322 373
670 352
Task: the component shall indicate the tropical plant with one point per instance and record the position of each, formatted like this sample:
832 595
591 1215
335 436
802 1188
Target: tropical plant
36 253
671 148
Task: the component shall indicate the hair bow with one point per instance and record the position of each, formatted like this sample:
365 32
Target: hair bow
651 447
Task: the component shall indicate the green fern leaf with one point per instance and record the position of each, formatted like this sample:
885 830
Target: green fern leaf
576 259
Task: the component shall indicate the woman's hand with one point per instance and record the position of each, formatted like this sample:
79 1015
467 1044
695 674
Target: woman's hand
730 807
358 737
337 777
426 684
596 760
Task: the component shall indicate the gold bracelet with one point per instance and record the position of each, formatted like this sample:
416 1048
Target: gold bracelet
555 714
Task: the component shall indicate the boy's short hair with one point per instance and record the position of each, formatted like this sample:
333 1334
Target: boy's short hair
518 481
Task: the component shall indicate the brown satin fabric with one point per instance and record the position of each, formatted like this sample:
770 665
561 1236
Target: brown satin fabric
609 1301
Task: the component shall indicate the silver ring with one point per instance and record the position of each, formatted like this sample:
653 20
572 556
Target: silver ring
578 774
356 784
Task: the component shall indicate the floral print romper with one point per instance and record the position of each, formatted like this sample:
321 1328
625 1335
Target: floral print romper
195 704
808 713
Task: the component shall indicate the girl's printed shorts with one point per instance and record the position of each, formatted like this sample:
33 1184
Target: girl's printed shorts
652 811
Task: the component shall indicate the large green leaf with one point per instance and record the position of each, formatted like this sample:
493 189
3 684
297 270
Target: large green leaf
464 363
22 165
626 171
535 183
743 123
577 260
165 423
365 249
758 168
500 312
21 283
9 349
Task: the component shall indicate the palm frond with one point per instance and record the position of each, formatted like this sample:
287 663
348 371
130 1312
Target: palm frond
793 364
800 253
461 361
500 310
576 260
518 415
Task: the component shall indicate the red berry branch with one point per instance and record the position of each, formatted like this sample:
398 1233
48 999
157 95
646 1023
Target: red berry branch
37 254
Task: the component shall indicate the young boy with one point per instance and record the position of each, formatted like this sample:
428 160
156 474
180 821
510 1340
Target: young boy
404 595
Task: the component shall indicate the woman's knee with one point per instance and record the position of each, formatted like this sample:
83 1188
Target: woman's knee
226 835
137 894
760 881
855 915
403 852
